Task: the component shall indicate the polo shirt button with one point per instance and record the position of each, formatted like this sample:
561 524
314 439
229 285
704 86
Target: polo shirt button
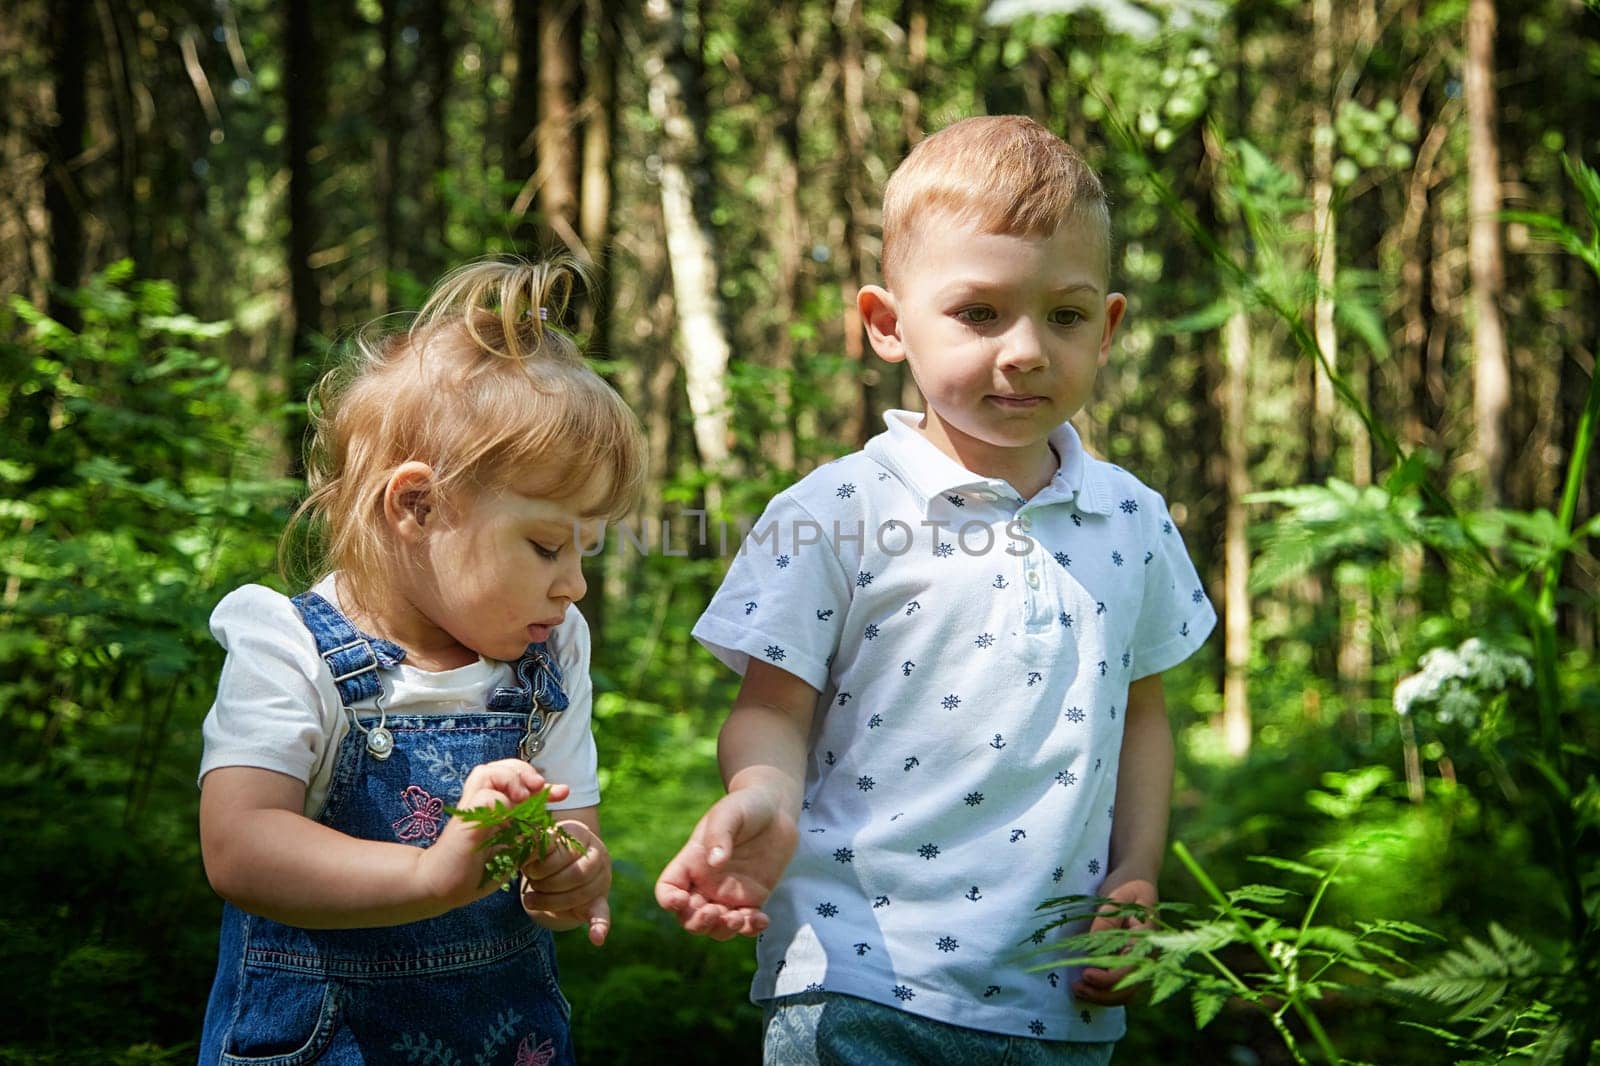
1027 522
1033 579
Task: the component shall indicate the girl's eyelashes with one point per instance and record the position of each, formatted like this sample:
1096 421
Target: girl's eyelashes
550 554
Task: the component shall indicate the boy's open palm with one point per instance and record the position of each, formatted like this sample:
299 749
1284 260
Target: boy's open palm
718 881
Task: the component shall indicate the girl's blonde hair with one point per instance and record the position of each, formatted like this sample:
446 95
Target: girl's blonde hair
482 388
1000 173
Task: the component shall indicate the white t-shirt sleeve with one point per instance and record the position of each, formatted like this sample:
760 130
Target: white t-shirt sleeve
784 599
1176 616
270 706
569 756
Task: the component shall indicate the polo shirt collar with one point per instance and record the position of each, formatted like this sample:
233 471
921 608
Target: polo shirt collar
930 473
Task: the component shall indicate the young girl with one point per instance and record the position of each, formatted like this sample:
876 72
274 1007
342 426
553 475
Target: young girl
456 471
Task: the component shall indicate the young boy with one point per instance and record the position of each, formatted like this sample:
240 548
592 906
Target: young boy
951 644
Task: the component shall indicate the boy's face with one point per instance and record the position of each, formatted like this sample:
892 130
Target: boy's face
1004 335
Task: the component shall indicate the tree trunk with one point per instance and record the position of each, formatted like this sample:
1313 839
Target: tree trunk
1236 723
789 240
303 92
522 118
599 115
386 157
1323 235
852 124
63 199
703 343
1491 378
914 20
558 172
436 59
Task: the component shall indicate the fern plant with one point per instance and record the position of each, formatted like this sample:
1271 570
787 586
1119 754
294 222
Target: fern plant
1301 961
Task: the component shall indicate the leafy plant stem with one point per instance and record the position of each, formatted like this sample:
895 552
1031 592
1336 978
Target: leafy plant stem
1313 1026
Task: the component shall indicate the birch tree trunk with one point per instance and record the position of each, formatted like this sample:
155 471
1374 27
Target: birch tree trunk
703 343
1324 237
1236 725
1491 378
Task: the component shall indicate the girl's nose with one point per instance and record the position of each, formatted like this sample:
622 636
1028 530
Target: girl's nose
569 584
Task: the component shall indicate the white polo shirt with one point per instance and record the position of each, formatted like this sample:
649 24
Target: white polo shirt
972 653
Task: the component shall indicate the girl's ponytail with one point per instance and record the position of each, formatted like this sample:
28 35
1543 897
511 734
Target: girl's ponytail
507 307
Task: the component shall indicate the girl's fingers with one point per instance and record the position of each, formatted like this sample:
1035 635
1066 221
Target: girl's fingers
599 921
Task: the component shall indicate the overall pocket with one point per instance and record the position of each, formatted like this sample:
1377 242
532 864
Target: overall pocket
283 1018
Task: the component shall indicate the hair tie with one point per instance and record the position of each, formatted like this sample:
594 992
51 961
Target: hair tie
544 314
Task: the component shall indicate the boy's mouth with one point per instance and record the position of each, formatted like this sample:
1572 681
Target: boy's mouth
1016 402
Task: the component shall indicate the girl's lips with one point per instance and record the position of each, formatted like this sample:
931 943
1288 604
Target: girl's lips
540 632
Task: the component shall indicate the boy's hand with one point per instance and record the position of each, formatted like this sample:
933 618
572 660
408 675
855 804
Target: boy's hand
566 889
452 867
1097 985
718 881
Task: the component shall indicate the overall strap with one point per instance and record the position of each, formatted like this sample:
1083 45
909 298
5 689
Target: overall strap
538 693
352 656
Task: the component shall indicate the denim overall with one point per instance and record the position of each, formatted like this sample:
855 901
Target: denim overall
474 986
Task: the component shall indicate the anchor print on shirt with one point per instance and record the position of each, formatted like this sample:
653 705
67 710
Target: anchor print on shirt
823 616
912 763
1000 582
998 742
750 605
973 894
1034 677
912 608
906 668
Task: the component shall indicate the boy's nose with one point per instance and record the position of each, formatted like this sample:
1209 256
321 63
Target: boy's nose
1023 348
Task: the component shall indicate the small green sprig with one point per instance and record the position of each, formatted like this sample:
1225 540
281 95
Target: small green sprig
525 832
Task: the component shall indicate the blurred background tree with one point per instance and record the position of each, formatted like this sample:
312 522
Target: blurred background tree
198 199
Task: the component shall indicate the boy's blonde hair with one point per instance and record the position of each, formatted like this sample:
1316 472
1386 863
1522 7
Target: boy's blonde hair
484 390
999 173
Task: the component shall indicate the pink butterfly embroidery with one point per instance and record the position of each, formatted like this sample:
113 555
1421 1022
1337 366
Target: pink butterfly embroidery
423 821
543 1055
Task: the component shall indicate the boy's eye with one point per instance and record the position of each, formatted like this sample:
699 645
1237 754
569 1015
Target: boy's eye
552 554
976 316
1066 316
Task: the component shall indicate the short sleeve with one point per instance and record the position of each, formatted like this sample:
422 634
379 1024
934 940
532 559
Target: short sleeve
1176 616
784 598
570 757
270 711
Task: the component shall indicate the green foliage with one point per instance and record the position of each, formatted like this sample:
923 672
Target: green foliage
522 834
132 500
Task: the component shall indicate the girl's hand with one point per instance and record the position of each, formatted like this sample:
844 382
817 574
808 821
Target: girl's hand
567 888
452 868
1097 985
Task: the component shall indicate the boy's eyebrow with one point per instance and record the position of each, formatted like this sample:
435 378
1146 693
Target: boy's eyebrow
965 285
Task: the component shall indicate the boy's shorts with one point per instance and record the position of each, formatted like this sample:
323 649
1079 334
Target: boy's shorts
833 1029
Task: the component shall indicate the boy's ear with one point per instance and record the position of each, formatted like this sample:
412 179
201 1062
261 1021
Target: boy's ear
408 500
882 319
1116 308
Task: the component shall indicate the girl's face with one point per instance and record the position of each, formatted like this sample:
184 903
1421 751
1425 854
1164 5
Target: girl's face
488 574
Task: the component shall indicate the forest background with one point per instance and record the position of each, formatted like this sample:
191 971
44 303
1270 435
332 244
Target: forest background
1358 243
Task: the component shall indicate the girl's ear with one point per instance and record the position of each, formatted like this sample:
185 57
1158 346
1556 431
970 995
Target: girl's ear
408 500
882 320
